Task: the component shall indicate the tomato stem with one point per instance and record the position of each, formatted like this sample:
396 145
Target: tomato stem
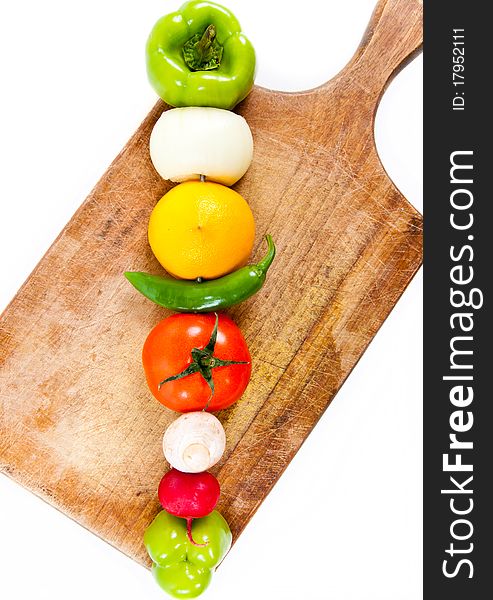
203 361
208 401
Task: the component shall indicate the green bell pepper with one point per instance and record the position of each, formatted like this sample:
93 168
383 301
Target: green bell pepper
180 568
198 56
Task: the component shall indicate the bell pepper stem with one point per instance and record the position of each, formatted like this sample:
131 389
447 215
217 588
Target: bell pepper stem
203 52
202 49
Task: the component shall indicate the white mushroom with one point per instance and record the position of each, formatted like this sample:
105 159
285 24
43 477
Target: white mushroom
194 442
193 141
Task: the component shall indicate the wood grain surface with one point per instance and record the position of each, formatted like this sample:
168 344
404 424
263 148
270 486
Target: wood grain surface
78 425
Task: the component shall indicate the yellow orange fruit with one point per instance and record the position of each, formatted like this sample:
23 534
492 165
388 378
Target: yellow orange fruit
201 229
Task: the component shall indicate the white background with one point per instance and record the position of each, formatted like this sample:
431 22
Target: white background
344 521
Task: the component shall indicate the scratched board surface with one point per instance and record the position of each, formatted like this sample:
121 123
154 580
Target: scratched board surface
78 425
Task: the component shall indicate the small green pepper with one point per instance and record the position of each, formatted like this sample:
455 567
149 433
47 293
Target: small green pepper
180 568
198 56
205 296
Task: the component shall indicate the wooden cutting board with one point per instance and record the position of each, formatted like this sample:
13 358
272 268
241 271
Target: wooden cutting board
78 425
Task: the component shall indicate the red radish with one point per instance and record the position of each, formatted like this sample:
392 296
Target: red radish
189 496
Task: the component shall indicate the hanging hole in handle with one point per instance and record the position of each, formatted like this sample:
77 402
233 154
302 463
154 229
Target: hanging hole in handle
399 132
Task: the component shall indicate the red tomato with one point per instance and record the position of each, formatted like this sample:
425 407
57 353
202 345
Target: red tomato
168 351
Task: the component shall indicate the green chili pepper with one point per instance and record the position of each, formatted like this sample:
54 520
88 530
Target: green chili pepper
180 568
198 56
205 296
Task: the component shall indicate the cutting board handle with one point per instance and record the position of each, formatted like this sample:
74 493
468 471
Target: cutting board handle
393 37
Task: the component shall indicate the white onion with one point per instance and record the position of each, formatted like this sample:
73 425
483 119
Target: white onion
189 142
